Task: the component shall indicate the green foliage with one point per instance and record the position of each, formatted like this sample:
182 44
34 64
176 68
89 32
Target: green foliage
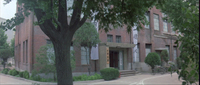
53 19
12 46
109 73
5 51
17 75
184 15
152 59
10 72
15 72
35 78
5 70
178 62
165 55
26 74
86 35
21 74
85 77
9 64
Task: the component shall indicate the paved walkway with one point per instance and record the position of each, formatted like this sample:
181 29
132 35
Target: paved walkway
139 79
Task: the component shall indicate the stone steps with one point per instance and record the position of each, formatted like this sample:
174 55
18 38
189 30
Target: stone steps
124 73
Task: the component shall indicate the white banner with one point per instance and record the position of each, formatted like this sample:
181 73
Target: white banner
135 35
135 41
94 50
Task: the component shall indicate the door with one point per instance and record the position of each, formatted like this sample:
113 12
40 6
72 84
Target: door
114 59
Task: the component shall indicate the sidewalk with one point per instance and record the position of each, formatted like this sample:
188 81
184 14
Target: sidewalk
138 79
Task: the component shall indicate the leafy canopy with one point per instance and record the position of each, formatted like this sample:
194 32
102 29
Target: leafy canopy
184 15
86 35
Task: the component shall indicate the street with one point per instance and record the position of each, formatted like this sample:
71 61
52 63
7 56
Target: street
139 79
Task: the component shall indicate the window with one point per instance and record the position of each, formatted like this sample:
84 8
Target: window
165 29
148 49
148 19
168 49
175 54
109 38
172 28
118 39
156 22
26 51
84 56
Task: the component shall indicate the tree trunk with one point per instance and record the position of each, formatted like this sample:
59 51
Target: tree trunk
89 67
62 59
4 65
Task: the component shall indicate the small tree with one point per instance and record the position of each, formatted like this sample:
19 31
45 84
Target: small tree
5 51
165 56
152 59
87 37
46 61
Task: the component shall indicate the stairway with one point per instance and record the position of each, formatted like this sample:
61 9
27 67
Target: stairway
124 73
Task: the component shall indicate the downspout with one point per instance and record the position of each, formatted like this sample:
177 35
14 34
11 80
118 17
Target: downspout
130 54
32 44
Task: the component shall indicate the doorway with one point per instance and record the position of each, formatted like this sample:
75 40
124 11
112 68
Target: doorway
114 59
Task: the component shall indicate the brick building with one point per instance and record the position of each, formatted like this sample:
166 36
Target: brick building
114 50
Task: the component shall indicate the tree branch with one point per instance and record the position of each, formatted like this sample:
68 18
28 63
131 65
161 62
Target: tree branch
62 15
77 12
47 26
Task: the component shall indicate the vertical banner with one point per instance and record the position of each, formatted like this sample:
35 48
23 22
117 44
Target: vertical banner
94 50
135 41
107 55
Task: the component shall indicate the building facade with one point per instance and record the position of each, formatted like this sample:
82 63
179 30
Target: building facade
114 50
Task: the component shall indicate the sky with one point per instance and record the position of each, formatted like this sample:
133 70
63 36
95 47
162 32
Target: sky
7 11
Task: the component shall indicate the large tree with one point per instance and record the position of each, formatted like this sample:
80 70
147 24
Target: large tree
184 15
88 37
52 18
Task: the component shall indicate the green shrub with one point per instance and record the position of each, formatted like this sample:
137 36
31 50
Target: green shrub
109 73
85 77
43 80
36 78
5 71
21 74
165 56
26 74
17 75
9 64
10 72
152 59
15 72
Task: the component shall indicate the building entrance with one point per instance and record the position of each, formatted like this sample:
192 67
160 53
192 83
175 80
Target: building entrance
114 59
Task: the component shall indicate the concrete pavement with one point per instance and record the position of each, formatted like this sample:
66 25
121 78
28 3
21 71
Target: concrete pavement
138 79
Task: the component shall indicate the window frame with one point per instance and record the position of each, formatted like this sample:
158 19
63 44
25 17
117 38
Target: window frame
118 39
154 18
108 38
85 60
147 14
